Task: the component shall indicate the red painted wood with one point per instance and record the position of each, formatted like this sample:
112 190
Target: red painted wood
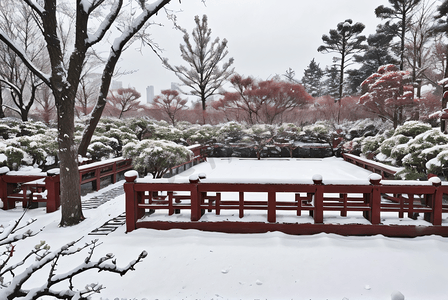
131 206
205 195
9 182
371 166
302 229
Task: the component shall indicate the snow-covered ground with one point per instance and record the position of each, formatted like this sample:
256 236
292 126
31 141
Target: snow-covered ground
189 264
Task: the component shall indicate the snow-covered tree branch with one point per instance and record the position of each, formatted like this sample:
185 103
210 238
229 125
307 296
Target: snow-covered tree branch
14 276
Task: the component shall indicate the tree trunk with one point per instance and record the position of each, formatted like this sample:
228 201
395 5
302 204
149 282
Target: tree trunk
96 113
71 209
2 113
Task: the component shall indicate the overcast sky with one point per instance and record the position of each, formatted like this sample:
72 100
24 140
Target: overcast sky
265 38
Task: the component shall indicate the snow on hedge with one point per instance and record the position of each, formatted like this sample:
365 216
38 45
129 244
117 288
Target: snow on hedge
156 156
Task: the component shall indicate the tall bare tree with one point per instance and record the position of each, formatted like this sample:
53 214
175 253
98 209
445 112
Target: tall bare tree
133 29
64 80
17 20
203 75
418 44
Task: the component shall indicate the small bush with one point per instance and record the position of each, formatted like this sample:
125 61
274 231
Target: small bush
156 157
412 128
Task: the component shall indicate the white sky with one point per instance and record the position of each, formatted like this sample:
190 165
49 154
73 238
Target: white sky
264 37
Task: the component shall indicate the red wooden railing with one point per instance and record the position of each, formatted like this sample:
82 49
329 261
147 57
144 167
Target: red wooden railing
372 199
44 187
94 172
384 170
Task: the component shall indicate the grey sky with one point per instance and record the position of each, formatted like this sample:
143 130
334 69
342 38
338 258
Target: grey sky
264 37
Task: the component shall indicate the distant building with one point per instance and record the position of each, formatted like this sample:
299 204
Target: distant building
115 85
149 94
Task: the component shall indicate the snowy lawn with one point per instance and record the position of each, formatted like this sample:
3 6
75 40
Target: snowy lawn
189 264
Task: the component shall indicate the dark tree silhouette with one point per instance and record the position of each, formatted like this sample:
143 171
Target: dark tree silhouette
346 40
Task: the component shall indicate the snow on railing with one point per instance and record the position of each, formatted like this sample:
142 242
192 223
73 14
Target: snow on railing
384 170
198 195
29 187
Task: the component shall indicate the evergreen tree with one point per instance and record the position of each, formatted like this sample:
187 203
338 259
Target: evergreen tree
346 41
400 11
203 75
378 53
331 83
290 75
312 79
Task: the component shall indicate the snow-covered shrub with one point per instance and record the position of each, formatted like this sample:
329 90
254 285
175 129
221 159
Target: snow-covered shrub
139 126
319 132
366 127
5 131
388 144
230 132
370 145
164 131
156 156
412 128
398 153
353 146
439 164
318 128
14 157
9 127
200 134
258 137
288 131
102 148
422 148
39 150
32 128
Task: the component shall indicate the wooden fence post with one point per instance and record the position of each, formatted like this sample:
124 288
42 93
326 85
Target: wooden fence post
52 185
375 199
131 201
437 198
195 198
318 199
271 207
241 204
114 172
4 188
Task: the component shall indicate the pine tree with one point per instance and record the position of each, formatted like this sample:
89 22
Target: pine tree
346 41
378 53
312 79
400 11
203 75
331 83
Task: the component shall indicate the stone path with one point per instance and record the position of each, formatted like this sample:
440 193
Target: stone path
95 201
110 226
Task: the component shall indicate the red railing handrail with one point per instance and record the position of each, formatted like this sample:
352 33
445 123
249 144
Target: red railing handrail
51 183
373 166
139 191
